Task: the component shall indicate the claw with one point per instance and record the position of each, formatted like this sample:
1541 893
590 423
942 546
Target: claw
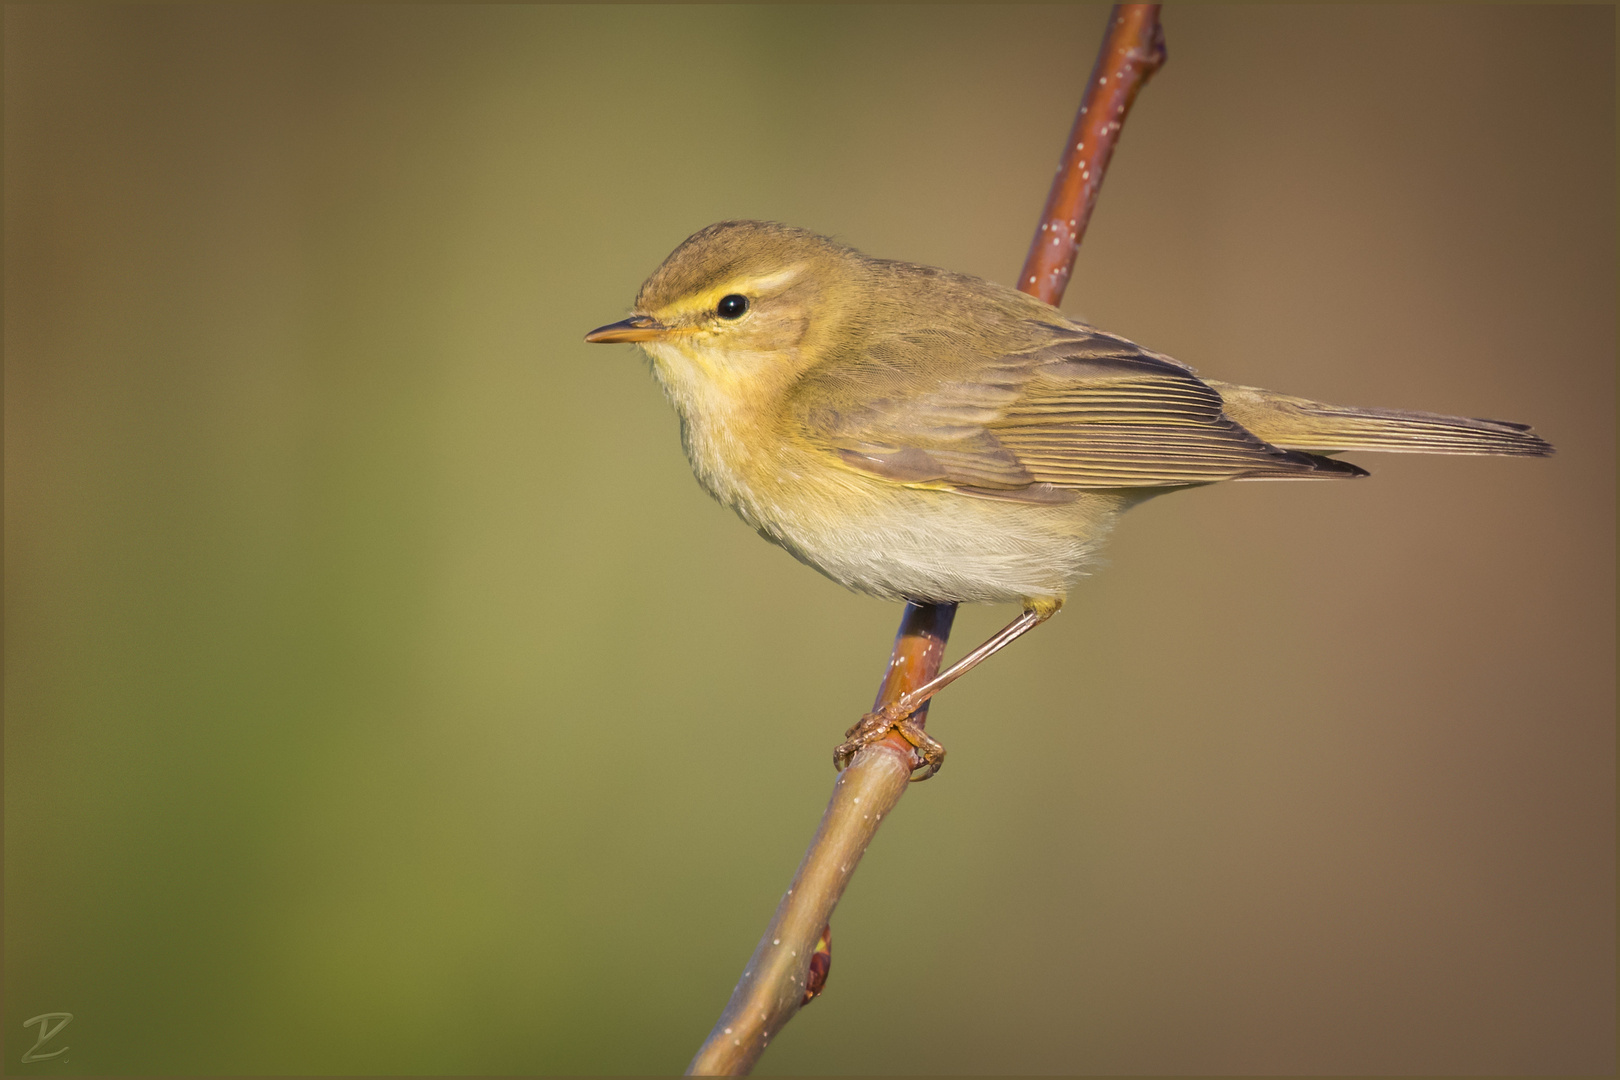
927 747
875 725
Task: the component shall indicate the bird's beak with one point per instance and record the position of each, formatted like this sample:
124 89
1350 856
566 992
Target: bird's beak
635 328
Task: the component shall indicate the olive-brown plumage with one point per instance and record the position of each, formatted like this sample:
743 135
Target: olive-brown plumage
923 435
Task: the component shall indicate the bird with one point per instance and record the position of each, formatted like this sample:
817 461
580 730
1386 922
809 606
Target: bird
920 435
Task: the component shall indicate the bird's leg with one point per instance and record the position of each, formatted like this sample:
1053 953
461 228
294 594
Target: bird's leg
897 715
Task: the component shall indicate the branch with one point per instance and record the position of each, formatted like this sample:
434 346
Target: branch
1130 53
780 978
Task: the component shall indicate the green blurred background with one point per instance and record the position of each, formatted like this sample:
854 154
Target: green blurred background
382 694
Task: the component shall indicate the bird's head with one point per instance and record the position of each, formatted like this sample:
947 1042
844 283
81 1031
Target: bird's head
742 308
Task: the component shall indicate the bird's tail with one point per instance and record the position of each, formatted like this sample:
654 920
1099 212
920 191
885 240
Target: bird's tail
1300 424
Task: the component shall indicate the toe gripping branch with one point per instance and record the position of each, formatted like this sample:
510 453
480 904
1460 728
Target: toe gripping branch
902 704
906 713
927 753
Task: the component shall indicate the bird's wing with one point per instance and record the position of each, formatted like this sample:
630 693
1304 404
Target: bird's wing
1080 409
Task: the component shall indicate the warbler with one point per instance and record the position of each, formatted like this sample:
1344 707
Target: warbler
916 434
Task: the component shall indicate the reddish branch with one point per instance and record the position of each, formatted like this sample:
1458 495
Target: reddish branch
790 964
1131 52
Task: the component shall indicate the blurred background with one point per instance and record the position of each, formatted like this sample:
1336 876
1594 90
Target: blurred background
383 695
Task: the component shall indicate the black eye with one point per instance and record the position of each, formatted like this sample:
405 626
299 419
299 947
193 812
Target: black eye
733 306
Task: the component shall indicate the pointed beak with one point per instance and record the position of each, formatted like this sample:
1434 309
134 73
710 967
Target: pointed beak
635 328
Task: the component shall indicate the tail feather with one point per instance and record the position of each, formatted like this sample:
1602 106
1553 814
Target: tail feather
1301 424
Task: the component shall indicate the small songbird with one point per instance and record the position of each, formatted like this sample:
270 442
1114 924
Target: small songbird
920 435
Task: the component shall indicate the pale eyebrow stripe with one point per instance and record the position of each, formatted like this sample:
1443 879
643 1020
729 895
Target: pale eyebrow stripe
774 281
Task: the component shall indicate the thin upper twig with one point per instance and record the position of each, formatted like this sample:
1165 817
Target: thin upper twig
1131 52
778 980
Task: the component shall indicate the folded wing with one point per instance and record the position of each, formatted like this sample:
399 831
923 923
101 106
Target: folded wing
1079 410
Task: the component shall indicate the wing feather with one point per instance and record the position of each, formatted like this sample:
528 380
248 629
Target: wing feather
1075 409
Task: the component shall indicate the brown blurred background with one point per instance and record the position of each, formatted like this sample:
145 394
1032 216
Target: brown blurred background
382 694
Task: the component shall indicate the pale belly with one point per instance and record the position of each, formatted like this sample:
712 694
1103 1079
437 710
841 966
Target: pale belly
902 543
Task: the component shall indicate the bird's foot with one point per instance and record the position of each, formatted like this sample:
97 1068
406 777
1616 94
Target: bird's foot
875 725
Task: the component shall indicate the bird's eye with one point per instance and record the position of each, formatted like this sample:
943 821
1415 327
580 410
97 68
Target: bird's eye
733 306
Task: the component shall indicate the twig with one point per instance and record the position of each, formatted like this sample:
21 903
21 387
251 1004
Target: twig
780 977
1131 52
773 987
